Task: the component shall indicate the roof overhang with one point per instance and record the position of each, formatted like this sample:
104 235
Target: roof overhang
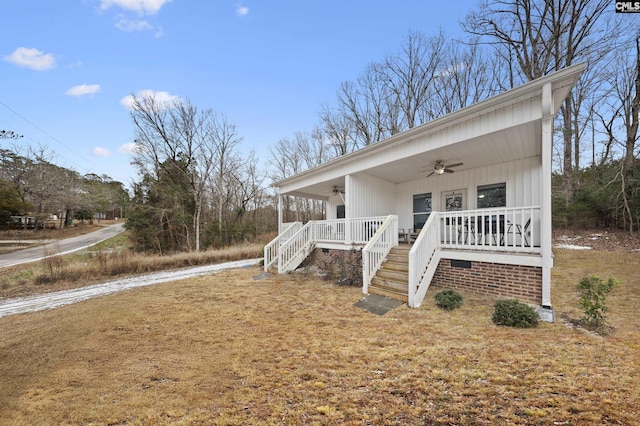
503 128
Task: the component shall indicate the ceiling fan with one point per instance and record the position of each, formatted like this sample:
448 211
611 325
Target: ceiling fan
439 168
338 191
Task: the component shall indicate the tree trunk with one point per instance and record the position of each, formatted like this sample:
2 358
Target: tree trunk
567 172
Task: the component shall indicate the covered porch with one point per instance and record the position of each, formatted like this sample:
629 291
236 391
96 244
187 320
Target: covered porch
494 206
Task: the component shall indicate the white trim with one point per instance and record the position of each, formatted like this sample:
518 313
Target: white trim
339 246
502 258
548 109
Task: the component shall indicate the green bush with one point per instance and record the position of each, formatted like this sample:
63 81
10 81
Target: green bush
593 294
513 313
448 299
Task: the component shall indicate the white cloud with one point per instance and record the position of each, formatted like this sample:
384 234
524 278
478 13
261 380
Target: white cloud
143 7
31 58
101 152
83 89
129 148
160 98
242 10
128 25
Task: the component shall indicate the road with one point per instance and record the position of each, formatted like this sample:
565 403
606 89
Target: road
65 246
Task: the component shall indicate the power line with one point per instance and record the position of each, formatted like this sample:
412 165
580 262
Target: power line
55 140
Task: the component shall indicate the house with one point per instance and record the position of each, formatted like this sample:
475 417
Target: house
470 193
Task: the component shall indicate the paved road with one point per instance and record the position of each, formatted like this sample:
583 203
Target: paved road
65 246
41 302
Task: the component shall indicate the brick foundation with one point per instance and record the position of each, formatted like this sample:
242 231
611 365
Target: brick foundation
495 279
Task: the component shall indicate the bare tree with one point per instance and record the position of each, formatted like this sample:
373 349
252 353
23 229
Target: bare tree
336 128
466 77
192 143
544 36
9 134
409 76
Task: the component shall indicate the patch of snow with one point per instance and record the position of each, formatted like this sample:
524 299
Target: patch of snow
60 298
572 247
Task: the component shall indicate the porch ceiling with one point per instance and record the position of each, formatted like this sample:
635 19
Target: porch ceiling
514 143
511 144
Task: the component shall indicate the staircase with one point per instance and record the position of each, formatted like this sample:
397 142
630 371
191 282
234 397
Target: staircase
392 279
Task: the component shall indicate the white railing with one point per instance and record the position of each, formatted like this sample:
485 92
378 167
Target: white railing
329 230
272 249
508 229
364 228
293 251
377 249
295 243
421 267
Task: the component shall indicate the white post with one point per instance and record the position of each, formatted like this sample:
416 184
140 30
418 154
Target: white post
545 196
347 209
279 211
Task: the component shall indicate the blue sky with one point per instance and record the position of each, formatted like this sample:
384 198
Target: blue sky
269 66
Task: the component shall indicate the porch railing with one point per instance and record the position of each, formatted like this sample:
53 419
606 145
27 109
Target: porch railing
422 263
364 228
272 249
295 243
294 250
508 229
377 249
329 230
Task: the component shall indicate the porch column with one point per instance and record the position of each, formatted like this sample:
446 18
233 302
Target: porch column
279 211
545 196
347 209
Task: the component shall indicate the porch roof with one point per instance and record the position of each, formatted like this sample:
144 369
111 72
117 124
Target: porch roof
503 128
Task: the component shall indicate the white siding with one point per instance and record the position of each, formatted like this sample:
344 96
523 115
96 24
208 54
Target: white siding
371 196
522 178
332 205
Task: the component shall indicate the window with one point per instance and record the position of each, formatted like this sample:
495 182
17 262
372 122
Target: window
421 210
340 212
494 195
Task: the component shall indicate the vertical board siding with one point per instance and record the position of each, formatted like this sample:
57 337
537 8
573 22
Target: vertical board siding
332 206
370 196
522 178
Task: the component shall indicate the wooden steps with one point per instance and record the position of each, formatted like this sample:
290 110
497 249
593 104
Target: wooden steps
392 279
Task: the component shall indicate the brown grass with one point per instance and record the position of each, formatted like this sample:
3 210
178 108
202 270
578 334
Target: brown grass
227 349
104 263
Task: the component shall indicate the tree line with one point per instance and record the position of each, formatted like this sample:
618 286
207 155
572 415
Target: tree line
30 183
197 189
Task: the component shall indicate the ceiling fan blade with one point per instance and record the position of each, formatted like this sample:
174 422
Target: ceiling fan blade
454 165
449 171
430 174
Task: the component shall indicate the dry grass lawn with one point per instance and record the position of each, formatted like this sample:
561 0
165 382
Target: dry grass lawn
227 349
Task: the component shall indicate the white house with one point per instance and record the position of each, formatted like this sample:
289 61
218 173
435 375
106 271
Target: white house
471 191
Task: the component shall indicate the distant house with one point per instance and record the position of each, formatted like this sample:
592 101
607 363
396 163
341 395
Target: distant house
470 193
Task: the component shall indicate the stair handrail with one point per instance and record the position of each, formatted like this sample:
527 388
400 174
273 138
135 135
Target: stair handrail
377 249
293 251
420 255
272 249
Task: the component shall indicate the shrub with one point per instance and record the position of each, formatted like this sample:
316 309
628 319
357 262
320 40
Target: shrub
593 294
513 313
448 299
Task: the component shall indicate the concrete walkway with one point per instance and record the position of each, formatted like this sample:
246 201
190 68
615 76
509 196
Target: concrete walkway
41 302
